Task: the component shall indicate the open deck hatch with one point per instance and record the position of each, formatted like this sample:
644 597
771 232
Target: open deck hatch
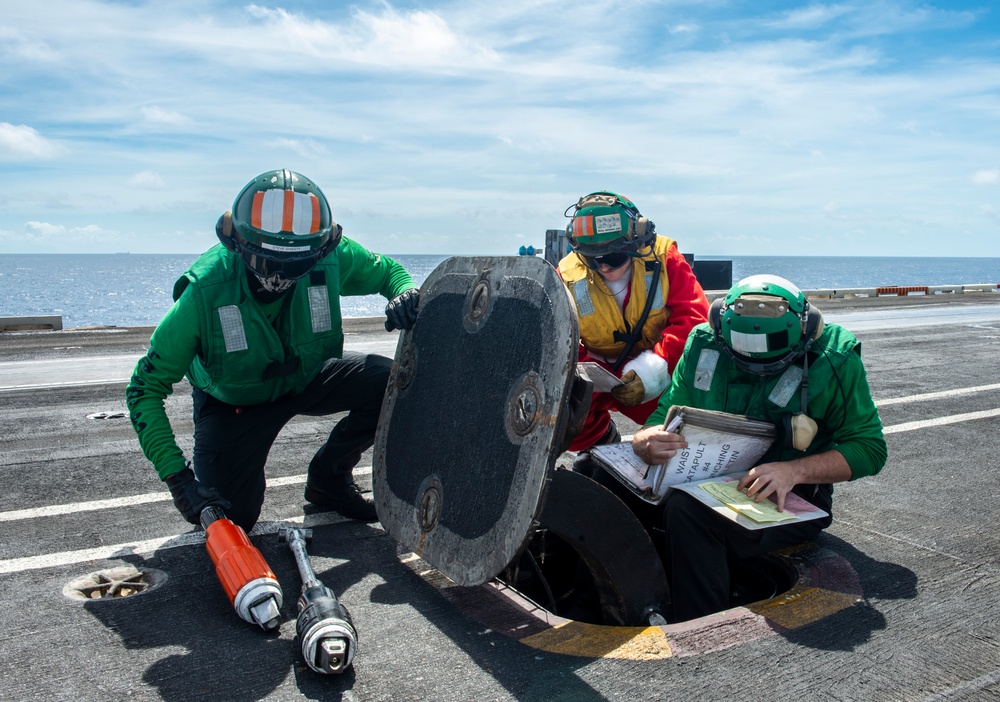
475 411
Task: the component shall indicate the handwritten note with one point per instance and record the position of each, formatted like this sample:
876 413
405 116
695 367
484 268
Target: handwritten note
729 495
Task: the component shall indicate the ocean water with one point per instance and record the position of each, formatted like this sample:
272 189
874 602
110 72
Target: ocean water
134 289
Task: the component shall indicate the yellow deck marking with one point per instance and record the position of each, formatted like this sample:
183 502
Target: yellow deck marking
590 641
803 605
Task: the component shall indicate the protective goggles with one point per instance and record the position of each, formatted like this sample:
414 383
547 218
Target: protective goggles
266 264
613 260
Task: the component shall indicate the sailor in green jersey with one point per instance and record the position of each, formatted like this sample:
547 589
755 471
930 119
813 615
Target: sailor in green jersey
766 353
256 328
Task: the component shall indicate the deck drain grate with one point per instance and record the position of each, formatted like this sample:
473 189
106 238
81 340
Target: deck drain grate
116 583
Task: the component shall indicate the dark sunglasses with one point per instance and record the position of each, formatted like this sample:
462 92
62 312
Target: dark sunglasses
611 260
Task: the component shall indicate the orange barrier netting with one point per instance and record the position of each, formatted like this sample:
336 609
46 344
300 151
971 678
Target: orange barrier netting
902 290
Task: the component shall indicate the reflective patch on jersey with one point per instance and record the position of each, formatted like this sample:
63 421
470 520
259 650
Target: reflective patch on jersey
319 309
786 386
708 359
584 305
232 328
658 298
748 343
285 211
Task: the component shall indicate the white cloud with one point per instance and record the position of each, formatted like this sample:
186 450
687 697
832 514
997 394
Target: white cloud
426 34
159 115
68 237
410 113
683 29
406 40
43 231
810 17
17 46
986 177
146 180
854 20
307 148
21 142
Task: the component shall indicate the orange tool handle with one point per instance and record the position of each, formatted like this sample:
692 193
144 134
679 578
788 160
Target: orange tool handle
237 561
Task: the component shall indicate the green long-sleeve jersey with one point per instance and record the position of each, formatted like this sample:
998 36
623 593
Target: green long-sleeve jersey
840 400
230 346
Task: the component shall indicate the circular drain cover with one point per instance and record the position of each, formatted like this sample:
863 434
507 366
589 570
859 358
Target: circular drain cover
115 583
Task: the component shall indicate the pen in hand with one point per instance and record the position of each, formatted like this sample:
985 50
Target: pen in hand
673 426
675 423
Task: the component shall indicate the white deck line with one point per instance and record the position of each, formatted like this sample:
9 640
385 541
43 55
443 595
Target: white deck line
15 565
164 496
149 546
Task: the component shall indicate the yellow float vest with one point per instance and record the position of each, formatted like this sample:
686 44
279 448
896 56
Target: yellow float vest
598 312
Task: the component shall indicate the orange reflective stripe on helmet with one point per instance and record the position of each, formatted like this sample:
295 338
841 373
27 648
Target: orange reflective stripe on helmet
583 226
256 210
286 211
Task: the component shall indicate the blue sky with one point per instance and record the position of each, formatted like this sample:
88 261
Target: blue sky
740 128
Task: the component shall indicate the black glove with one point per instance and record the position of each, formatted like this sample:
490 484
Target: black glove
401 312
191 497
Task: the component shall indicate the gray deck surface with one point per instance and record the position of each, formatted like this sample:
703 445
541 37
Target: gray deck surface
79 497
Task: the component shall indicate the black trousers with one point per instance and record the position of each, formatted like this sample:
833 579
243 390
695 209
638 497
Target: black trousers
231 443
700 546
697 546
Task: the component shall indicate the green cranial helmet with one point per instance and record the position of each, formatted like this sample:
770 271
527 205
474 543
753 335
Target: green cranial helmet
605 222
765 323
281 227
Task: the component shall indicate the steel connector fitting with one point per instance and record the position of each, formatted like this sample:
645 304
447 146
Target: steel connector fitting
329 646
259 602
326 632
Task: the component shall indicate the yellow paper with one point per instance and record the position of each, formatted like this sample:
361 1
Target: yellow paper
729 495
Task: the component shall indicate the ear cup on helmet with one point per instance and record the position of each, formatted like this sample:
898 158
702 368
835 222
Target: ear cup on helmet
814 324
224 230
715 314
641 230
338 234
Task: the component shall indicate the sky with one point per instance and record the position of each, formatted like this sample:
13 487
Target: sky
868 127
